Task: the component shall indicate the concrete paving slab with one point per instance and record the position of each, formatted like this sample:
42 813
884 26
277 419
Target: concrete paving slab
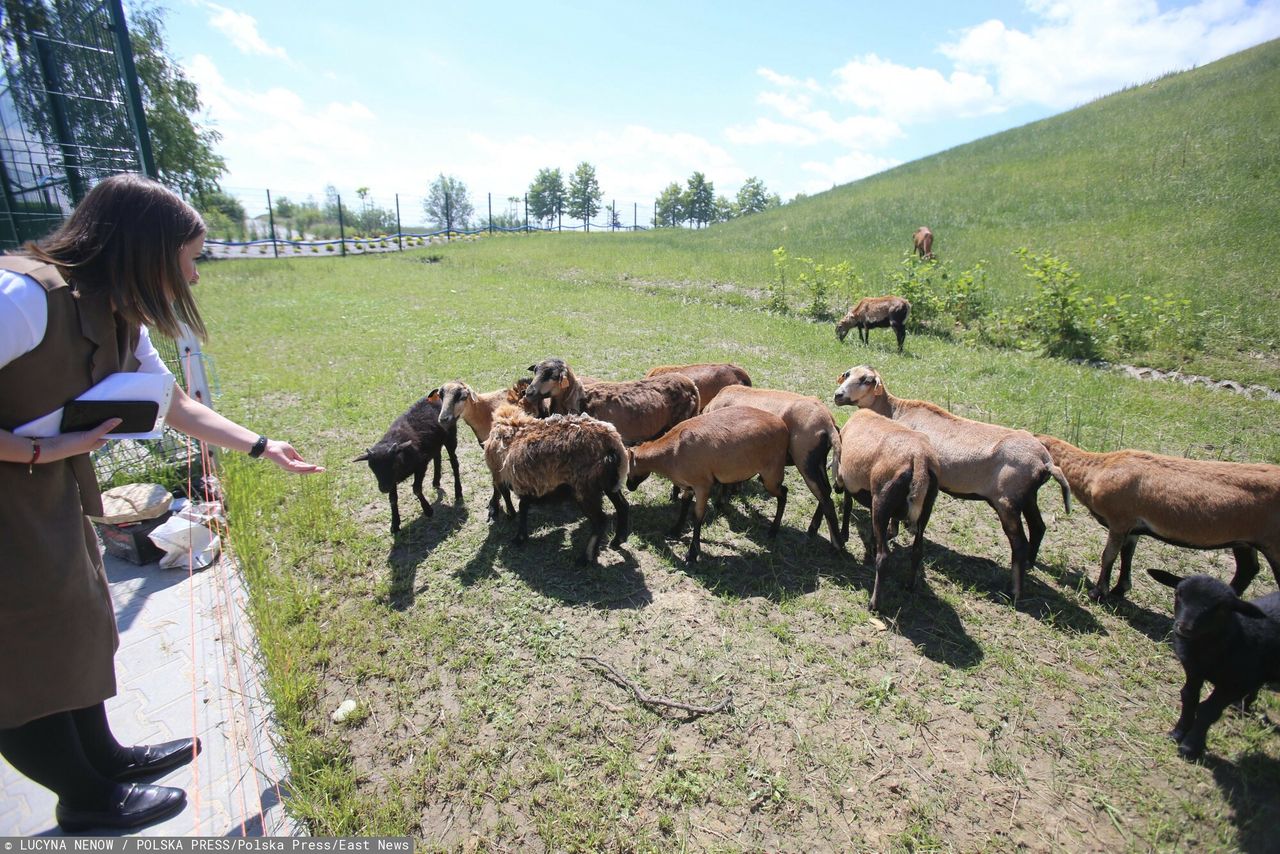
188 661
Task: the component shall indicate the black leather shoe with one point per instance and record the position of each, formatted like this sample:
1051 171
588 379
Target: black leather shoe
152 759
132 805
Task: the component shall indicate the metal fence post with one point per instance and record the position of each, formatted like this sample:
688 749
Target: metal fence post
271 223
342 229
526 213
129 75
399 228
448 219
491 213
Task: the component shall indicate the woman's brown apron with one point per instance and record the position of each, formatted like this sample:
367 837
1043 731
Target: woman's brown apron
57 626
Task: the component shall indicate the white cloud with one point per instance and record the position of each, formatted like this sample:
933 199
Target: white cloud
274 138
841 170
1089 48
242 29
911 94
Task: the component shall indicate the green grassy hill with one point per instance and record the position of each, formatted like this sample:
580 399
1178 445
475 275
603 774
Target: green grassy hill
1171 187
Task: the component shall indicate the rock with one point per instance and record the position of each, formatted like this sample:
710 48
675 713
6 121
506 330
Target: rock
344 710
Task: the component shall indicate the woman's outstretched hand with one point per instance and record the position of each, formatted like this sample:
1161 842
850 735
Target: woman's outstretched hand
283 455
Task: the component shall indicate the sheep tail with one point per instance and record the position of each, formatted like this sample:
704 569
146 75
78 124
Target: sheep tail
920 478
1062 481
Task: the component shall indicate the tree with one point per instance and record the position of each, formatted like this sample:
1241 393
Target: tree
447 204
547 196
222 213
584 194
669 211
700 199
183 148
754 197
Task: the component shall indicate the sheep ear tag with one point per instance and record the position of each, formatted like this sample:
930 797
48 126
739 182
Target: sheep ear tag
1168 579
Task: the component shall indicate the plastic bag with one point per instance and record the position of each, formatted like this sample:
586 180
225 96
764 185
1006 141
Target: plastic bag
180 535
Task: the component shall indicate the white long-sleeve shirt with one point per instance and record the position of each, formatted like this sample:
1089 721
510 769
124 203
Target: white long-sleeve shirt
24 316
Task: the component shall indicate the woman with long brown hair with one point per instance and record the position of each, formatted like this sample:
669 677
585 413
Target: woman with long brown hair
75 308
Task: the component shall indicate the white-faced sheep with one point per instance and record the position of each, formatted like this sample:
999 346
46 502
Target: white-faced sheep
876 313
922 243
728 445
641 409
534 457
1219 638
412 442
814 436
458 400
976 460
893 470
1198 504
709 378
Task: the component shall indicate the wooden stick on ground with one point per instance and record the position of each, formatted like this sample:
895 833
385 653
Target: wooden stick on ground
645 699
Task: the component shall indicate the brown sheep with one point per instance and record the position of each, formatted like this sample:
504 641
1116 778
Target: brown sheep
977 461
640 409
534 457
709 378
876 313
727 445
457 399
893 470
922 243
1196 504
813 436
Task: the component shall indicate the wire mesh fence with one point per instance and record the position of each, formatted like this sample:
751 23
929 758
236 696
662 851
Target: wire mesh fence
67 110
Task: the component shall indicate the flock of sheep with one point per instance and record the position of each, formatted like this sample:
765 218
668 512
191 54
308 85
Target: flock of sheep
559 434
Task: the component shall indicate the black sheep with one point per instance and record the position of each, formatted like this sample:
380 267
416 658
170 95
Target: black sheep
1223 639
410 444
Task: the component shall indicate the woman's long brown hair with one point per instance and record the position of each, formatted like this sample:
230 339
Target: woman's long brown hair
123 239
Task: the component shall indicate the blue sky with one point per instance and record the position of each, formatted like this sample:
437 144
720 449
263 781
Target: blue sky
804 95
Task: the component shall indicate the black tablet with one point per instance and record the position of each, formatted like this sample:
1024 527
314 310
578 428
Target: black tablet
139 415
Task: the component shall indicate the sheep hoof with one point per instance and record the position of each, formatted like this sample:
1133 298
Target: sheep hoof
1118 592
1097 594
1190 752
691 557
1176 734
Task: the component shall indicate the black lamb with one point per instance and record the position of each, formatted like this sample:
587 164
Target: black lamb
411 443
1223 639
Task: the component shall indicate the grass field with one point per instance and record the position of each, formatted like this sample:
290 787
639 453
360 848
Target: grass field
952 722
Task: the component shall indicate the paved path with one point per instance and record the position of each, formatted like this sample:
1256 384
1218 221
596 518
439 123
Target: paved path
187 661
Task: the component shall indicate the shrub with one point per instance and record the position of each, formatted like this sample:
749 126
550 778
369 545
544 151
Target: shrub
1060 314
918 282
777 301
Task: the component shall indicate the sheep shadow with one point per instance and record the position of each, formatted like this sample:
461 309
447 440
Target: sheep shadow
791 564
1252 787
1039 599
548 560
1154 624
412 544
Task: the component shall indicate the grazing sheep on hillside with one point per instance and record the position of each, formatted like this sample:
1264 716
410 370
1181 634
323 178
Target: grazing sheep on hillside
1219 638
813 437
922 243
977 461
876 313
709 378
457 399
640 409
411 442
534 457
1198 504
728 445
893 470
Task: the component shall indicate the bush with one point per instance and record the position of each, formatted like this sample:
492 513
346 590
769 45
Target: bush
777 301
1060 316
